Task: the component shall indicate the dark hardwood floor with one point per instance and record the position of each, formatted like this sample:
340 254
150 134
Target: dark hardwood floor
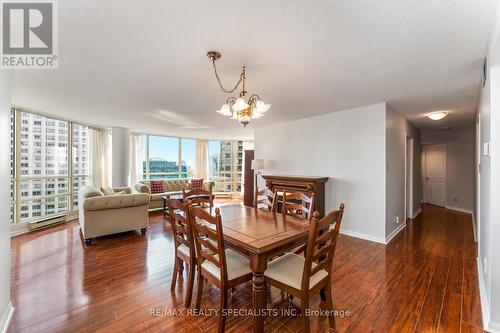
423 281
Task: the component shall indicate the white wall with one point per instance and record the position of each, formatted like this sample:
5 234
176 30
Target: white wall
397 129
489 208
5 307
459 165
121 156
347 146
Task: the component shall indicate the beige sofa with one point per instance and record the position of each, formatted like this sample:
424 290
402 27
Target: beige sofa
170 187
102 215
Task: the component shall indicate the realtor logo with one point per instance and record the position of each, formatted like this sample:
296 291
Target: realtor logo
29 34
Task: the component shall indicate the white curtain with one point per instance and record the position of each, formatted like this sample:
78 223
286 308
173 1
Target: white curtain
201 159
100 157
135 159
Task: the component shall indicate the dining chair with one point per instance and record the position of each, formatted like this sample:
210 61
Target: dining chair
199 196
291 205
304 276
224 268
265 199
184 245
304 209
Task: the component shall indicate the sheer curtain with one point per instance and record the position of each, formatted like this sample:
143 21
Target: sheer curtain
135 159
100 157
201 159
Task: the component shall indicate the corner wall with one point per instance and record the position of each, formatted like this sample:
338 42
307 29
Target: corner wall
398 129
5 305
347 146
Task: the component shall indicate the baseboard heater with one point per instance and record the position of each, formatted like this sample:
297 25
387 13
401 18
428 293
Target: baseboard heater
47 222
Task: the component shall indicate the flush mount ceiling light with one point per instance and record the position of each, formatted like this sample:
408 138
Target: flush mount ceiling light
437 115
243 111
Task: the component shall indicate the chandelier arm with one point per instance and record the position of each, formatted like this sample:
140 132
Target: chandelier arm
229 91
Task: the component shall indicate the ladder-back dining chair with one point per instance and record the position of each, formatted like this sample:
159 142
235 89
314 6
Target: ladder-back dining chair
299 204
224 268
199 196
184 245
304 276
265 199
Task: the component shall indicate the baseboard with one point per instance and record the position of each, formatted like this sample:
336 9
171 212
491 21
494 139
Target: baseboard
17 229
362 236
6 317
394 233
458 209
485 307
417 213
493 327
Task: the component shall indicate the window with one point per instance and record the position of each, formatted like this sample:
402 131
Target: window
225 165
188 147
51 166
163 157
166 157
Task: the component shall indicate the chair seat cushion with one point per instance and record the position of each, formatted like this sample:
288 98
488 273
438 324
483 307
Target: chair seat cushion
288 270
237 265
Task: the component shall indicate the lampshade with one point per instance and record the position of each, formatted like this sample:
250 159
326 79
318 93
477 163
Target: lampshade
225 110
258 164
240 104
437 115
261 107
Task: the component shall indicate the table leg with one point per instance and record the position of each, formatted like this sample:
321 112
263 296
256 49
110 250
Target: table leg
258 265
259 301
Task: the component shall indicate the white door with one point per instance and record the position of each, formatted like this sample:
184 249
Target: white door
435 174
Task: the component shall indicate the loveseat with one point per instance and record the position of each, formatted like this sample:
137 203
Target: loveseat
101 215
170 187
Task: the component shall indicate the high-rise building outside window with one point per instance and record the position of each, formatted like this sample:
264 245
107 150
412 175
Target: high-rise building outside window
49 163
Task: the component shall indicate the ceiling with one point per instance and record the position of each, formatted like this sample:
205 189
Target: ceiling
142 64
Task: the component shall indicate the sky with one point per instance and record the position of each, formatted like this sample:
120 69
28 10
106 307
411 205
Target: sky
168 149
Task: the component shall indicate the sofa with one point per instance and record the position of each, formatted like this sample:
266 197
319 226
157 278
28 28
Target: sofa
101 214
170 187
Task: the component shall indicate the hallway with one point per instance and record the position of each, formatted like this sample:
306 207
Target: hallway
425 280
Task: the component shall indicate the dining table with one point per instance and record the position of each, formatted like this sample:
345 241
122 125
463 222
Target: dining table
260 236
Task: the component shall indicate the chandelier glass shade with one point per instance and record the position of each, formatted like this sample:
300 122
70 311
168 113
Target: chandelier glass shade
237 107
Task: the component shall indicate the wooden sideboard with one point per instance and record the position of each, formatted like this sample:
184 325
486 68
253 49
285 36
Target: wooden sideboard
300 183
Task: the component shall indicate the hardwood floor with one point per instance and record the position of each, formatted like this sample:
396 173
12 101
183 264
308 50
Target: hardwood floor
423 281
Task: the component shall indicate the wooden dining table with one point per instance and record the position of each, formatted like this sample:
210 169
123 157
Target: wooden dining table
260 236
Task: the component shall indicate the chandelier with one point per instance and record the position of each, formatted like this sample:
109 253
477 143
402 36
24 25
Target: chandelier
243 111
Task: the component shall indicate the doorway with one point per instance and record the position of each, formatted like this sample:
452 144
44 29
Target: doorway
435 174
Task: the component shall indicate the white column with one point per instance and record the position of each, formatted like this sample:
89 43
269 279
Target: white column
121 156
5 305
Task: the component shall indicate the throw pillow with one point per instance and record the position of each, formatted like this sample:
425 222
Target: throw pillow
107 190
156 186
196 183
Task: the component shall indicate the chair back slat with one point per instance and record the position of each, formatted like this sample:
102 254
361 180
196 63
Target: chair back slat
321 265
209 239
321 243
198 196
303 209
265 199
181 226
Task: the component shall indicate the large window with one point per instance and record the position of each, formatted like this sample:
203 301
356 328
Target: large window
167 157
50 163
225 165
